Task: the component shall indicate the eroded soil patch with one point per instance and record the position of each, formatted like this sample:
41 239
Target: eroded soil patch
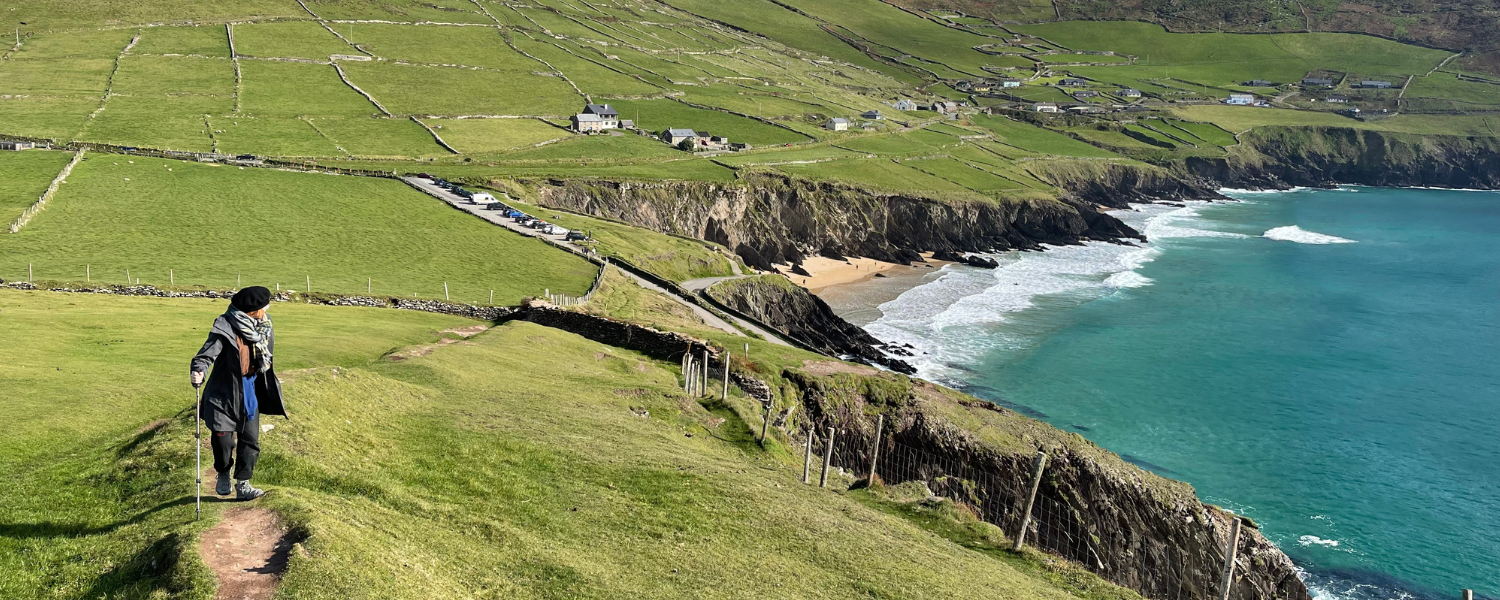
247 551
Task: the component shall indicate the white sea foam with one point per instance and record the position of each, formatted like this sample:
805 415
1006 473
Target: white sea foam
1293 233
1231 192
1312 540
953 320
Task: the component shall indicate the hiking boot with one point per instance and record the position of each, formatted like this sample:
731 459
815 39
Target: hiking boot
225 486
244 491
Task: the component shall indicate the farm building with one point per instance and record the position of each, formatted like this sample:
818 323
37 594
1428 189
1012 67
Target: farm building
16 145
1073 82
1240 99
675 136
873 115
1375 84
1010 83
1317 82
607 113
1045 107
587 123
1081 94
905 104
837 124
1338 99
1129 93
1260 83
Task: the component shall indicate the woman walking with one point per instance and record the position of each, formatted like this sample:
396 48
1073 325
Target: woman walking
242 387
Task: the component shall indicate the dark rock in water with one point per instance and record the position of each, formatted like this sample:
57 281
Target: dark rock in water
981 262
1081 427
947 255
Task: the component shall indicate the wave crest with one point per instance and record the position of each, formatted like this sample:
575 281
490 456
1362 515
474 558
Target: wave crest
1293 233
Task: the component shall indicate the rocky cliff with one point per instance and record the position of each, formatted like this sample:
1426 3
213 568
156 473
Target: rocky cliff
1280 157
783 305
774 219
1131 526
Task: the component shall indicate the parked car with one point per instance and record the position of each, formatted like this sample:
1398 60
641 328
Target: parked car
553 230
576 236
513 213
538 224
425 176
495 206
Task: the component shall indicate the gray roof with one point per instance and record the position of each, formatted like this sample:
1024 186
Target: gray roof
587 118
601 109
682 133
839 120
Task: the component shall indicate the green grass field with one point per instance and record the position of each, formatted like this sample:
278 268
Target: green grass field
1226 58
27 175
1036 139
210 224
489 483
1239 119
491 136
659 115
878 173
288 39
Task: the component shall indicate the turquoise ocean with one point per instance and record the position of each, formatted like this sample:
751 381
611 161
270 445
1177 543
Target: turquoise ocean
1326 362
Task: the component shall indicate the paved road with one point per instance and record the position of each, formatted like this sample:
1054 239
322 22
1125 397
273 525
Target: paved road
703 283
460 203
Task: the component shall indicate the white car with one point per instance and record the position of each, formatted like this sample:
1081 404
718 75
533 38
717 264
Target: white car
554 230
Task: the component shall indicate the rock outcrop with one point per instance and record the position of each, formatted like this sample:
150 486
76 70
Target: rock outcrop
777 302
1281 157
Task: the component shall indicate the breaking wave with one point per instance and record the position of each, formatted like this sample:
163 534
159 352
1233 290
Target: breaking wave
1293 233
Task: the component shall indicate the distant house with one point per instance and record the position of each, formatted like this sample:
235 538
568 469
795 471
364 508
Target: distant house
905 104
837 124
1264 83
1081 94
944 107
16 145
1317 82
607 114
676 136
1129 93
1240 99
1375 84
1010 83
587 123
1045 107
627 124
1073 82
1338 99
873 115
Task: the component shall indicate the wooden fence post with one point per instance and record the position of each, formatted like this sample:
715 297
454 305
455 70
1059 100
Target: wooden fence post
88 276
827 460
492 297
747 350
171 277
1037 467
309 284
1229 556
445 292
703 389
765 425
28 272
726 376
875 451
807 458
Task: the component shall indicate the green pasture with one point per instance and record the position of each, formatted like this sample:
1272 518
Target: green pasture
1448 86
288 39
46 15
488 136
1227 58
56 118
1240 119
208 225
958 172
294 89
879 173
392 137
25 176
433 44
889 26
406 11
1036 139
660 115
590 77
272 136
422 90
790 155
202 40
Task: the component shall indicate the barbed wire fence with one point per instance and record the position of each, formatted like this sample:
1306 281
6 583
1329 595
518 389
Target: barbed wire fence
1051 524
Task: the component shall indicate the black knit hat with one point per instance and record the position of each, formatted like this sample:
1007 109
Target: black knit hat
251 299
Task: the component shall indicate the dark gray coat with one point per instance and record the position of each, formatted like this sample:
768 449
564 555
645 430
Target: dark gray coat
223 393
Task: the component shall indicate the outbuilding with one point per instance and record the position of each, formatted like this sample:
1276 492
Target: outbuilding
1240 99
1010 83
1129 93
1375 84
837 124
16 145
873 115
1045 107
675 136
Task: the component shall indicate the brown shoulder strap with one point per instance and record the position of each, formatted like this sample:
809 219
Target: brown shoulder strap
244 356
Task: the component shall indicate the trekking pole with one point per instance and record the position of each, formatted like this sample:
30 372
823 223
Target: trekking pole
198 453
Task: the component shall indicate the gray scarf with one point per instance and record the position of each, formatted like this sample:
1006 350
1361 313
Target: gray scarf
257 333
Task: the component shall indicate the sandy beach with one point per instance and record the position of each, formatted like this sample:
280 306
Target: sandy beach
851 287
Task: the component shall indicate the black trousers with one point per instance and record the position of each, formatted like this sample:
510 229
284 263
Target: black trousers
237 450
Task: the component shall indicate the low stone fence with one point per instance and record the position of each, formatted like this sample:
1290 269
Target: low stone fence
487 313
661 345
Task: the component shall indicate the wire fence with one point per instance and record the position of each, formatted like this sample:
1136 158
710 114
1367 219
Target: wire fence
566 300
999 498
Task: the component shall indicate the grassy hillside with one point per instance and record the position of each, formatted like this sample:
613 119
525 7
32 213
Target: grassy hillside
489 482
27 175
211 225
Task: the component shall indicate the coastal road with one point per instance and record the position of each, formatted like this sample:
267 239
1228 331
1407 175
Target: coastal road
459 202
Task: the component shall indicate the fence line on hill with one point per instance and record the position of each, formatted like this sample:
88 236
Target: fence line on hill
41 202
566 300
1008 502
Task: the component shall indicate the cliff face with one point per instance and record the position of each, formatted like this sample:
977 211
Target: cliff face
769 219
1280 157
1119 185
779 303
1132 527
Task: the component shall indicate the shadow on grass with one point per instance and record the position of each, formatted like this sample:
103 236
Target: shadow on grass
52 529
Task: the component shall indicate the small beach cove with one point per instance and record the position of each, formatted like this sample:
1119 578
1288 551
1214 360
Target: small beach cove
1318 360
